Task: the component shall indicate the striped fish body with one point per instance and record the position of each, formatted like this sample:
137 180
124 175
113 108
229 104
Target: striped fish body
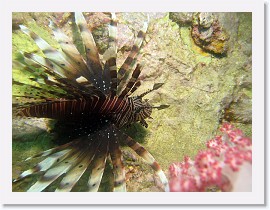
91 102
120 111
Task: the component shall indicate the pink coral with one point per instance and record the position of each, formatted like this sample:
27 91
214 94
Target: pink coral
226 163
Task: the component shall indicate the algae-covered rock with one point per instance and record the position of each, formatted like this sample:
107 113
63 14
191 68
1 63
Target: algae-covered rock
202 90
182 18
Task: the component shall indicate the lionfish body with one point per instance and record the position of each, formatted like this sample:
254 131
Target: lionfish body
92 101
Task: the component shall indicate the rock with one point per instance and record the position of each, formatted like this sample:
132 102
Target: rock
182 18
239 110
23 128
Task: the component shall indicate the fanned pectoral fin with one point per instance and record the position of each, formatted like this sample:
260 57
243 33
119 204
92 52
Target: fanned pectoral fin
45 164
57 57
110 69
56 171
98 166
70 50
127 67
93 60
74 174
118 167
148 159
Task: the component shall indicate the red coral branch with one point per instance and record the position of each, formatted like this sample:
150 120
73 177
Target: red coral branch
225 163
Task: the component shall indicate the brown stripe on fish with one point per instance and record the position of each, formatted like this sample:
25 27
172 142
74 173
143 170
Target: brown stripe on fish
113 74
128 64
135 87
132 81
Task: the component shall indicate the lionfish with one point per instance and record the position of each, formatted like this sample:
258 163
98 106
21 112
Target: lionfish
91 99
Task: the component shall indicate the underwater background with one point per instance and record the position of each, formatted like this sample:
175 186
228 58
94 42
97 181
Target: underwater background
204 61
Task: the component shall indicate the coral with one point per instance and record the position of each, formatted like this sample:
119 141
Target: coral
226 163
208 33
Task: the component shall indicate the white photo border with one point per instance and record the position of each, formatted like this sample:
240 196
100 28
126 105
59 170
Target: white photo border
257 196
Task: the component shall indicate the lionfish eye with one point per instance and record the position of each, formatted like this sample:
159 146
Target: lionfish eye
137 110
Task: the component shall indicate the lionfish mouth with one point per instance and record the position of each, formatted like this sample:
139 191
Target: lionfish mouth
92 101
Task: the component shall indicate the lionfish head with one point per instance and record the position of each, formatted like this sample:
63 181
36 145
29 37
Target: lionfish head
143 109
